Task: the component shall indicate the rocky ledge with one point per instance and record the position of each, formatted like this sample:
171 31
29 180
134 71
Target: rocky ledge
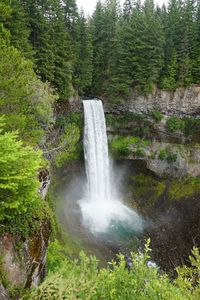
24 262
181 102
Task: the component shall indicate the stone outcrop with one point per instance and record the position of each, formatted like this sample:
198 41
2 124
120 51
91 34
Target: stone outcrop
24 262
182 102
3 293
186 162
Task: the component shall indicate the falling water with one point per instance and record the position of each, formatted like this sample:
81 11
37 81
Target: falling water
100 207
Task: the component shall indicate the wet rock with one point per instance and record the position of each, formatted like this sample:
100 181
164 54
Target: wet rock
44 178
3 293
24 262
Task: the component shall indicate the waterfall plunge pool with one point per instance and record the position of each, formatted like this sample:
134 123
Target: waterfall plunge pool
92 208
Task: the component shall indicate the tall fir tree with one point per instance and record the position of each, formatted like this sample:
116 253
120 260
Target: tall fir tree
84 55
104 33
127 9
17 24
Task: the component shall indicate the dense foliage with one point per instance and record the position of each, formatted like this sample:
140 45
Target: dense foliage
83 279
113 52
18 180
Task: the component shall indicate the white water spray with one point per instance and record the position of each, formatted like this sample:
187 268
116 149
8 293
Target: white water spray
100 207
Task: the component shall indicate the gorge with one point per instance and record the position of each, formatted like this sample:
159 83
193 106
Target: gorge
99 150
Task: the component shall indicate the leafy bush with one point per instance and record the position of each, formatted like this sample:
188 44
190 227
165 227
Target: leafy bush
24 225
140 152
69 145
165 154
18 180
120 145
156 115
82 279
173 124
25 100
73 117
171 157
192 126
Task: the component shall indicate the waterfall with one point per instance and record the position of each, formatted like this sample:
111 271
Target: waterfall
96 152
100 207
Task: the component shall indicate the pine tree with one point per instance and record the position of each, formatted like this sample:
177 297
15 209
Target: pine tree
104 32
83 66
70 15
170 81
39 15
196 47
97 30
184 50
127 9
63 54
17 24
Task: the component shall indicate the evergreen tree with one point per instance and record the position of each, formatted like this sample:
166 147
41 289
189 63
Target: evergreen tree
97 29
83 66
25 101
5 12
196 47
184 51
140 55
70 15
170 81
104 32
51 42
17 24
39 14
127 9
63 54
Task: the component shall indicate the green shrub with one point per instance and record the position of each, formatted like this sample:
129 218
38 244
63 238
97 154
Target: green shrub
23 226
69 145
18 180
174 124
26 101
165 154
157 115
140 152
82 279
73 117
162 154
192 126
120 145
171 157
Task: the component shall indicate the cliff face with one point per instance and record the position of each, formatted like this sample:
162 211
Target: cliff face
168 121
23 262
182 102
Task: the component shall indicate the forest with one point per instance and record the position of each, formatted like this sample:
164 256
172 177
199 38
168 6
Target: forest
50 52
114 51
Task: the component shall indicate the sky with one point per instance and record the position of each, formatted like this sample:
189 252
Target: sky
89 5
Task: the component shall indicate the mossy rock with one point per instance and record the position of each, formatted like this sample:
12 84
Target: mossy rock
187 187
146 189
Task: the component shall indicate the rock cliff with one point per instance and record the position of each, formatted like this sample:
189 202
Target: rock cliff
182 102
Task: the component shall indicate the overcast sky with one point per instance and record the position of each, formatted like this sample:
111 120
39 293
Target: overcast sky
89 5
